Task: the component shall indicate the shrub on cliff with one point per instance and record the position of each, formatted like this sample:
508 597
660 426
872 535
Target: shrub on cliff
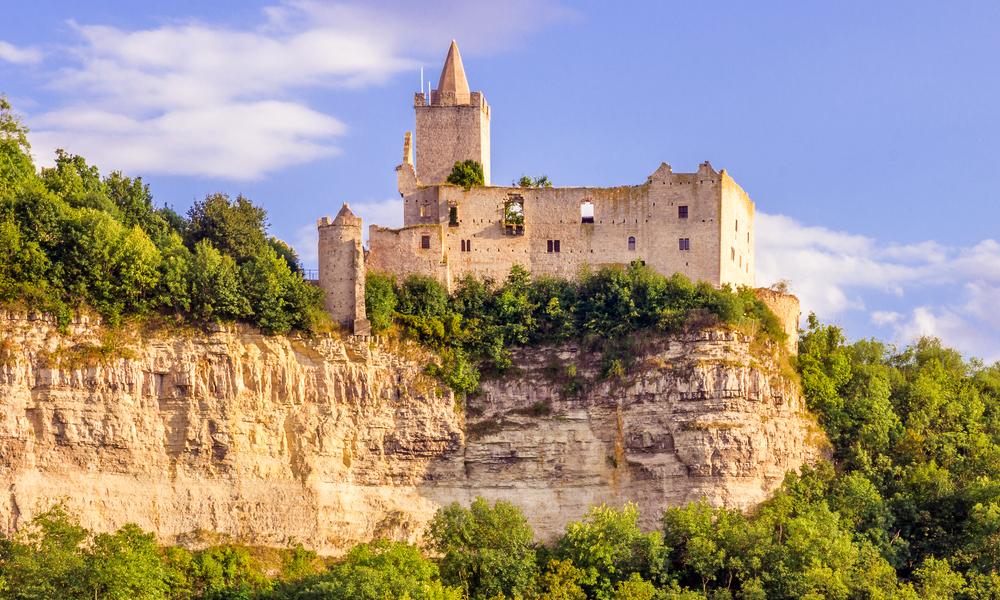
479 324
73 239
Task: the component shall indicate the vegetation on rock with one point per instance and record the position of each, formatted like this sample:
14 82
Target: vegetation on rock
73 239
476 327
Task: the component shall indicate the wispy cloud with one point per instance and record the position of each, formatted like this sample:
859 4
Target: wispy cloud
19 56
208 99
833 271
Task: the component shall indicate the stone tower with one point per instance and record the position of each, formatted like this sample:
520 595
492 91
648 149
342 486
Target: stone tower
342 270
454 125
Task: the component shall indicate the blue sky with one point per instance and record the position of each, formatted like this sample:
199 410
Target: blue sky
865 132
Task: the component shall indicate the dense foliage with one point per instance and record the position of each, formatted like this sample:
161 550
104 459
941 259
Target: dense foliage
526 181
475 327
467 173
71 238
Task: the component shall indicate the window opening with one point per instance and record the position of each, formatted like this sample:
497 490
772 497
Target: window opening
682 212
425 241
684 243
631 243
587 212
513 215
453 216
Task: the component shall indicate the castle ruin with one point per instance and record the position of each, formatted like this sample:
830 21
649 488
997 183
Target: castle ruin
700 224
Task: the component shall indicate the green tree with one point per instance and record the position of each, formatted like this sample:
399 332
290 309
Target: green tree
235 227
16 165
468 174
215 285
379 571
48 561
126 565
380 301
608 546
486 551
559 582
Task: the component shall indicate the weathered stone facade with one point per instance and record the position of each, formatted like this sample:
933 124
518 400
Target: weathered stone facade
700 224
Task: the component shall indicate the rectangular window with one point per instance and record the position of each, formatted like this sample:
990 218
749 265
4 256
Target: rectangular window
453 216
552 246
466 245
684 243
557 245
682 212
737 224
732 254
423 210
425 241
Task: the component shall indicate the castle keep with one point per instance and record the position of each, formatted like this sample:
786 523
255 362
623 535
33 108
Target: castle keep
700 224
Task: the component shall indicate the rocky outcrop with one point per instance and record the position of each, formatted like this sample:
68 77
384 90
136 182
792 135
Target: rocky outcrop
330 441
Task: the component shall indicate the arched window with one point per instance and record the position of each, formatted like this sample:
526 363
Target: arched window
587 212
631 243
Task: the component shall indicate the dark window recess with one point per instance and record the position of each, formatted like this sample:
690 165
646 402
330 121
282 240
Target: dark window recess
466 245
737 224
552 246
631 243
682 212
425 241
453 216
684 243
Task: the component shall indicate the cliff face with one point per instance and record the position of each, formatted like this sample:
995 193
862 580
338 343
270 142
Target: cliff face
330 442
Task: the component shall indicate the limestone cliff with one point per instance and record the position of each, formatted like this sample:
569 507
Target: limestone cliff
329 442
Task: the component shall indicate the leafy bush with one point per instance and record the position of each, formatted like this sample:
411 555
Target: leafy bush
476 327
467 173
73 239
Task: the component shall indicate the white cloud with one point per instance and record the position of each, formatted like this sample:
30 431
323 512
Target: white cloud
207 99
19 56
831 271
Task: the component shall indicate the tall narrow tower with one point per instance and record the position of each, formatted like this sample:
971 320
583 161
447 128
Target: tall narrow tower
342 270
453 126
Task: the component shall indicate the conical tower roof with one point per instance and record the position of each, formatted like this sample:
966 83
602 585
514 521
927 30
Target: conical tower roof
453 74
346 217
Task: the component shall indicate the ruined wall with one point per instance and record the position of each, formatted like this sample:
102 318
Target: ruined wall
786 307
449 133
398 252
650 214
330 442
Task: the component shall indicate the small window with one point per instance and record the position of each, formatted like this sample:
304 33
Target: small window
748 237
453 216
684 243
425 242
466 245
631 243
552 246
423 210
587 212
732 254
682 212
737 224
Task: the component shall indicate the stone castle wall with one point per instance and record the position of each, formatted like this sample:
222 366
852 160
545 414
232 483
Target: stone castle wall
479 244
